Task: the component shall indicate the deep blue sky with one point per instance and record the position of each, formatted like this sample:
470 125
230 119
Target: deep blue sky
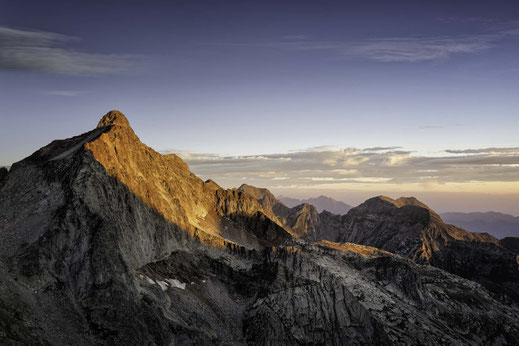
253 77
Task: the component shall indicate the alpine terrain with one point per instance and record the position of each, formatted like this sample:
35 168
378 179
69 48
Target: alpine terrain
104 241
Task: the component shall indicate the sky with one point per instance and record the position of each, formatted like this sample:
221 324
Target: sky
345 98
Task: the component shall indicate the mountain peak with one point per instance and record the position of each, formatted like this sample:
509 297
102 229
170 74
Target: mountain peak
379 203
402 201
258 193
112 118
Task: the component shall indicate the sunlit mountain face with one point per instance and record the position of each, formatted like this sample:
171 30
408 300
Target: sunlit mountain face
284 173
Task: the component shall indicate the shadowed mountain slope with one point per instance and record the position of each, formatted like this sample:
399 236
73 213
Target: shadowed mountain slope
103 241
409 228
3 174
510 243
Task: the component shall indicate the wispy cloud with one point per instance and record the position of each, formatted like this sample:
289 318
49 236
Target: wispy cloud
380 148
392 49
430 127
48 52
66 93
514 150
379 165
419 49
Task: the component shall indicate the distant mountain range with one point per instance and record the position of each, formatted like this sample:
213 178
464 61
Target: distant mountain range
498 224
321 203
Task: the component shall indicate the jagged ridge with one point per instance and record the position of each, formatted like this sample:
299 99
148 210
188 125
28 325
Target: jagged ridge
410 228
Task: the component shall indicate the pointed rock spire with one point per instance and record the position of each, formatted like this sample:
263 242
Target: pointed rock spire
113 118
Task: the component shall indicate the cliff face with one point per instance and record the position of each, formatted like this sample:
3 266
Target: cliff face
105 241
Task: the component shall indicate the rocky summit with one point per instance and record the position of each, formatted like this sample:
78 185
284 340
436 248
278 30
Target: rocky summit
104 241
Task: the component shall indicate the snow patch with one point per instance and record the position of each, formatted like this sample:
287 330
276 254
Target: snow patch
176 283
163 285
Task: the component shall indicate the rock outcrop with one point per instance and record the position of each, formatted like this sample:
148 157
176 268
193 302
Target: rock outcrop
104 241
